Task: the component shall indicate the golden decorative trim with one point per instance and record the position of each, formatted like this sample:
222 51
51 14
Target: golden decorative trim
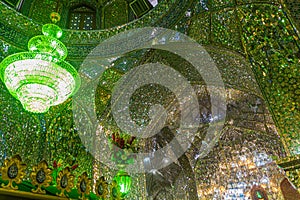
41 176
114 189
104 186
289 163
21 194
55 17
145 3
84 183
65 181
291 166
13 170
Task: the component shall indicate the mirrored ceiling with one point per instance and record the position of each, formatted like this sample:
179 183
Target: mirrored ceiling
85 15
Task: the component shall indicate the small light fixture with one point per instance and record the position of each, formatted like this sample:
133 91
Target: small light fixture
41 78
123 180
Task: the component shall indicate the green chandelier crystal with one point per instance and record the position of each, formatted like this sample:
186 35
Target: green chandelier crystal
41 78
123 181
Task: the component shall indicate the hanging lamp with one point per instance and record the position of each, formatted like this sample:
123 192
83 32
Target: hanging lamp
40 78
123 180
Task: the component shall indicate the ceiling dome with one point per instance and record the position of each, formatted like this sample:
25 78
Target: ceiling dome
85 15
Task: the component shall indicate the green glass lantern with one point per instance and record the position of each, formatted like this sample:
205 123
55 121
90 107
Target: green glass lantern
123 181
41 78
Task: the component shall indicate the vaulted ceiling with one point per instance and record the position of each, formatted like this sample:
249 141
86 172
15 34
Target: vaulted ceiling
255 46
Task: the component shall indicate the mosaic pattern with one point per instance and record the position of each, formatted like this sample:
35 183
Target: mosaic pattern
115 14
278 71
17 30
231 31
19 127
293 8
42 16
111 13
274 61
248 118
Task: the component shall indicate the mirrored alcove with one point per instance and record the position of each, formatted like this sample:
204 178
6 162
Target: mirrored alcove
245 147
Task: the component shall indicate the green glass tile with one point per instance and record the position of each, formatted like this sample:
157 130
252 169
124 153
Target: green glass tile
225 29
199 29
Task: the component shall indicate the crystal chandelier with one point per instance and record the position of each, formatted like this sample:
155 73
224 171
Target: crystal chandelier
41 78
